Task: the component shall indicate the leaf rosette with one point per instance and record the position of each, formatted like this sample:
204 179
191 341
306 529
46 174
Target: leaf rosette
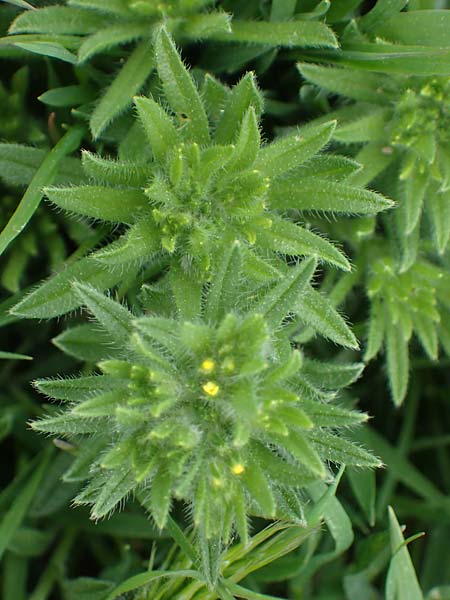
217 411
209 177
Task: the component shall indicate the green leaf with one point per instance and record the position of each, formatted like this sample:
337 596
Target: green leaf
106 203
73 389
256 482
282 10
363 486
138 581
50 49
292 150
366 127
110 36
243 96
160 495
224 281
329 196
328 166
422 28
117 487
20 4
247 143
111 315
187 291
282 33
366 87
13 356
438 212
85 342
67 96
328 415
278 302
298 445
180 89
18 165
63 20
56 297
397 358
158 127
376 331
401 581
330 375
200 27
288 238
413 191
114 172
66 425
386 58
317 311
383 11
115 7
336 519
135 247
127 84
43 176
13 518
340 450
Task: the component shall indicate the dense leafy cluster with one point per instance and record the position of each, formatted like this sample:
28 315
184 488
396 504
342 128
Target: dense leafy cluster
217 412
199 188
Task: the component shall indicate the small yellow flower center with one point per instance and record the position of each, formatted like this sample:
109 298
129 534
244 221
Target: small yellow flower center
211 388
237 469
207 365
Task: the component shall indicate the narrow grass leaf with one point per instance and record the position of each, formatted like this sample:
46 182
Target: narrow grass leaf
13 518
44 176
127 84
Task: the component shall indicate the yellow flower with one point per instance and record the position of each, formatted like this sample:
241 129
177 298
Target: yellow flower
211 388
238 469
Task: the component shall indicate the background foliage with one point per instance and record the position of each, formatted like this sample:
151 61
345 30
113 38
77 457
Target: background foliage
239 213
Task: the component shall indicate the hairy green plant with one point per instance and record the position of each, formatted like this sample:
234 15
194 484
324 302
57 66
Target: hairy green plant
209 177
403 123
216 410
206 400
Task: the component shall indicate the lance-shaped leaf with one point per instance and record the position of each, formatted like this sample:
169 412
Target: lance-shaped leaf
115 172
56 297
247 143
120 93
109 36
224 282
329 196
113 317
317 311
292 150
136 246
288 238
366 87
85 342
76 389
158 127
180 89
109 204
303 451
397 357
340 450
277 303
287 33
243 96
